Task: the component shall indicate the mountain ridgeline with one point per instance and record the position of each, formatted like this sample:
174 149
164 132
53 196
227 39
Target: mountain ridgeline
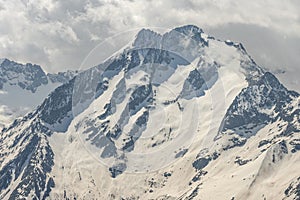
184 115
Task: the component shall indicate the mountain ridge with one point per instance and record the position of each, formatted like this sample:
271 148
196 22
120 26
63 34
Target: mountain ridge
205 99
24 86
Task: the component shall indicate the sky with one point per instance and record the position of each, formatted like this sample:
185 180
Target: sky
59 34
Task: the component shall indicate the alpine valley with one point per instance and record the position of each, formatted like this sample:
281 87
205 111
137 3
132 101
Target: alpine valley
178 115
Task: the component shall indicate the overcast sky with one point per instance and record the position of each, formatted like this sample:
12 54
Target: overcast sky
59 34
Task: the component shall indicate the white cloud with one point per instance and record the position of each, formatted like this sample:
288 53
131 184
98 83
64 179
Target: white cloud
58 34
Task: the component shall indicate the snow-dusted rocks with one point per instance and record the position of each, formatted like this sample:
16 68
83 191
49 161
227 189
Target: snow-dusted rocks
24 86
178 115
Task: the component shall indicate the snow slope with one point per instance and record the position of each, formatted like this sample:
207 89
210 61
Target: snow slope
174 116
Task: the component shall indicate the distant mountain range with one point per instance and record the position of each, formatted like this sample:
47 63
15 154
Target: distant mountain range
179 115
23 87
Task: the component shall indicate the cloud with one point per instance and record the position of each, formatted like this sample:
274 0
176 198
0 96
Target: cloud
59 34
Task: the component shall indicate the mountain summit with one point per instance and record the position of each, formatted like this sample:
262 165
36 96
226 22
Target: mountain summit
178 115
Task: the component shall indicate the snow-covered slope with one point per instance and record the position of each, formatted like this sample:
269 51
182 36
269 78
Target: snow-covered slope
24 87
174 116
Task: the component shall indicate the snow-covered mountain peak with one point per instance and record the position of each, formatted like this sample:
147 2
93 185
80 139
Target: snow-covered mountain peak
182 114
147 38
189 30
178 47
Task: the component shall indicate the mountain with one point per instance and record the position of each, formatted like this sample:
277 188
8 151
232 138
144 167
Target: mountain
23 87
179 115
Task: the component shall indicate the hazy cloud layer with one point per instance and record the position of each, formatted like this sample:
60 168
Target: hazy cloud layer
60 34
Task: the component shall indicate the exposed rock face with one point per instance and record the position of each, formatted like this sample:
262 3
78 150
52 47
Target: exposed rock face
144 116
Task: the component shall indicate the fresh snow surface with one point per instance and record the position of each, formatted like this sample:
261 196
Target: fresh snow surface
180 150
79 171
